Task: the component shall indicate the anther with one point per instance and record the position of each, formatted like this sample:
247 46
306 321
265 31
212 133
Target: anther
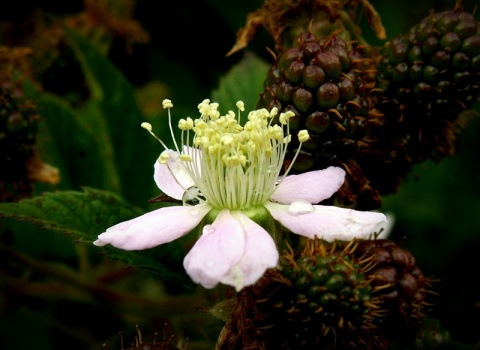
284 117
186 157
146 126
303 136
241 106
166 103
164 156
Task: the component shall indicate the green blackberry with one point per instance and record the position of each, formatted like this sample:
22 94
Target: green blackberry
326 85
430 77
320 299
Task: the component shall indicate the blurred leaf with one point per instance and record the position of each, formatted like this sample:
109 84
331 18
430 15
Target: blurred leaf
165 261
77 142
119 113
86 214
243 82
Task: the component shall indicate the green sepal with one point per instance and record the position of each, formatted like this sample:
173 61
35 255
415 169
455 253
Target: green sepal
258 214
262 216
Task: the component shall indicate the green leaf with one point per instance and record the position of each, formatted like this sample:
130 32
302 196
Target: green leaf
77 142
86 214
243 82
81 214
120 114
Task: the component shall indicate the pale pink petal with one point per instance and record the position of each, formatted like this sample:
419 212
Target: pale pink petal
260 254
152 229
328 222
172 178
313 186
217 251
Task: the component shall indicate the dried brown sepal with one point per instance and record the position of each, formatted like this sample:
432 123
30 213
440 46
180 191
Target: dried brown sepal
277 17
374 20
357 190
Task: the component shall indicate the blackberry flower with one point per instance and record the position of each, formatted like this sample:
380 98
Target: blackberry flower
228 178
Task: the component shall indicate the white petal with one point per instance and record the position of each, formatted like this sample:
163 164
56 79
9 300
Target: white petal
260 254
217 251
172 178
313 186
152 229
328 222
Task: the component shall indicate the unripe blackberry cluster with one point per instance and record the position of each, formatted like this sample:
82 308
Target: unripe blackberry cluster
400 284
326 85
363 294
321 299
429 77
434 70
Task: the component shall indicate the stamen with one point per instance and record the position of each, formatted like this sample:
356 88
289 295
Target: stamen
232 166
164 156
140 339
185 124
241 106
146 126
302 137
171 128
166 103
284 117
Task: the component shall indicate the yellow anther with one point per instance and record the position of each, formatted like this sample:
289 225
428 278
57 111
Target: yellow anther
164 156
186 157
232 156
241 106
167 104
146 126
204 103
284 117
185 124
277 132
273 112
226 139
303 136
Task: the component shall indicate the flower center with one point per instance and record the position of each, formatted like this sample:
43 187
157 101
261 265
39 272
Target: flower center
232 166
